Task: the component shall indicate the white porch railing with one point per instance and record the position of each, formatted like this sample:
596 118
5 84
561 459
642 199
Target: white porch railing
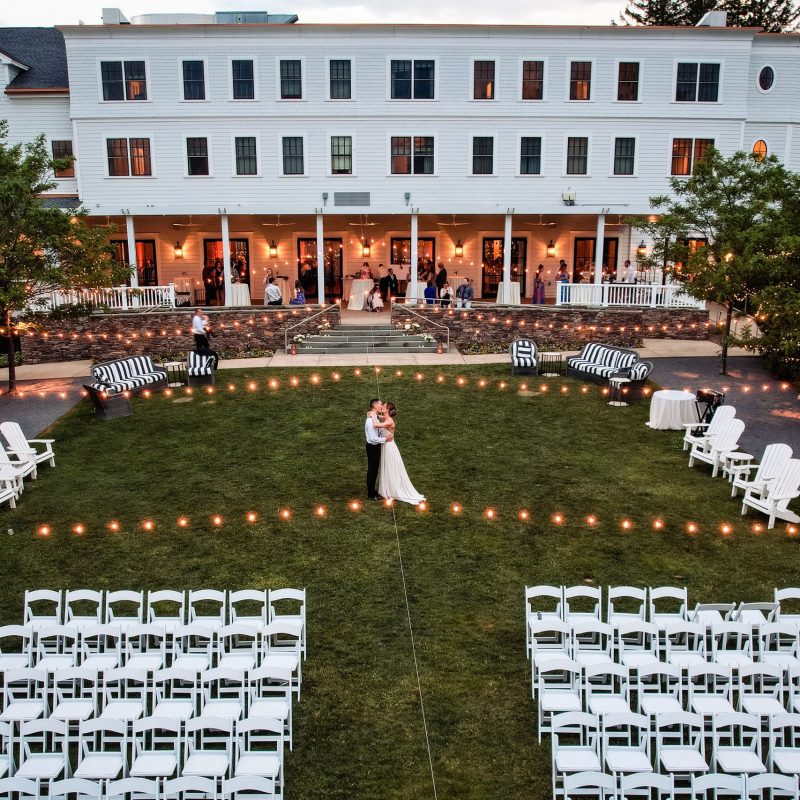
118 298
625 295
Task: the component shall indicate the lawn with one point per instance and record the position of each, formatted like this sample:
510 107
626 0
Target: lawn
358 729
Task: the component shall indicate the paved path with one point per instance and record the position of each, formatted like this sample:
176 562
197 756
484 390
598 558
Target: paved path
39 403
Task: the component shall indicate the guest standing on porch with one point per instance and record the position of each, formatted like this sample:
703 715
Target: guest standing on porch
538 286
441 278
210 283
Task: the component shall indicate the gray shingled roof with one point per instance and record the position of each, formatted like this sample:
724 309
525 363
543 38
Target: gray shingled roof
61 202
40 49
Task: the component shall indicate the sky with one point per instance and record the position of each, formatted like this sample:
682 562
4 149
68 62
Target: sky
569 12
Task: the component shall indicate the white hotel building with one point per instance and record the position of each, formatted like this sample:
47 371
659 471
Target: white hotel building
273 144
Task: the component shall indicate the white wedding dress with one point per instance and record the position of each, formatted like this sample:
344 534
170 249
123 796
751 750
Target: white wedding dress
394 481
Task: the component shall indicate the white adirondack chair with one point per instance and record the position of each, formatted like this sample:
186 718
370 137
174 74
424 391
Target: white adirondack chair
775 499
8 492
24 448
772 464
722 416
717 447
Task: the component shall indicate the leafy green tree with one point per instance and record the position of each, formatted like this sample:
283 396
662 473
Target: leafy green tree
744 209
771 15
652 12
42 249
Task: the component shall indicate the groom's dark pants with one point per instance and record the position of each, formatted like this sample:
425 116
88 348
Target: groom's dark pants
373 462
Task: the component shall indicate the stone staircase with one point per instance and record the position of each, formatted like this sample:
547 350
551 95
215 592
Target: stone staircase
356 339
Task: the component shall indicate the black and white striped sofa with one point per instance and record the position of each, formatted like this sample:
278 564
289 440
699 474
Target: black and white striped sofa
113 379
523 357
201 368
599 363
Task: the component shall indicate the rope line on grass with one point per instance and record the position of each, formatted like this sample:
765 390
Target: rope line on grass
408 605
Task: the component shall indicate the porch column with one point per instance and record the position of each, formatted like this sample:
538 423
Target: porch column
226 259
599 246
412 288
507 260
132 251
320 259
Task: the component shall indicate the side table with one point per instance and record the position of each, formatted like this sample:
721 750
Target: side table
551 365
176 373
616 391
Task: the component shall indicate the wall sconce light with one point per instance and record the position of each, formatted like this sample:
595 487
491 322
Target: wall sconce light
459 249
178 250
641 250
551 248
273 249
365 249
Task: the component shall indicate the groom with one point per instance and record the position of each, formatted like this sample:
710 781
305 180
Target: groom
375 441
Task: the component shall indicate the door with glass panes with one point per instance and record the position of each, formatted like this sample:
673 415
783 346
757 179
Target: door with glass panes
493 248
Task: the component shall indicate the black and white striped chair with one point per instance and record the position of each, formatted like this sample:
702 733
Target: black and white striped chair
201 368
523 357
115 380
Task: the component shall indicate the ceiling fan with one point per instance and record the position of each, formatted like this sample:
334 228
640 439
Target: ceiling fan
277 224
363 223
619 223
541 223
452 224
188 224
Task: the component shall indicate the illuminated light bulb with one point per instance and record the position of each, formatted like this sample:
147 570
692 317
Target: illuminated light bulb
354 505
273 384
584 389
604 391
419 376
44 530
423 506
523 387
320 511
691 527
315 379
388 502
336 376
399 373
183 522
726 529
456 508
489 513
646 391
168 392
460 381
764 387
148 525
440 379
79 529
285 514
626 524
358 373
543 387
251 516
745 389
146 393
524 515
564 389
252 386
658 524
209 390
557 519
231 387
188 390
791 530
591 519
216 520
784 386
62 395
482 383
377 370
294 381
757 527
113 525
503 384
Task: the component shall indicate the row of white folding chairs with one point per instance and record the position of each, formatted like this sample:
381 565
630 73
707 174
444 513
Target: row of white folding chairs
704 689
211 607
19 459
155 748
673 745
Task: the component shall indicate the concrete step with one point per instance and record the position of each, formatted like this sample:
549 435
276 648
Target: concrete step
365 339
361 347
322 351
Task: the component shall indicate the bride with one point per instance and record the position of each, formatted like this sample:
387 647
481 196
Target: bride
394 481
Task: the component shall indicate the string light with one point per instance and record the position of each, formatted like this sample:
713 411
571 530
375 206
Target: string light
423 506
591 520
658 524
320 511
149 525
355 505
44 530
489 513
456 508
626 524
691 527
557 519
216 520
726 529
285 514
523 514
251 517
183 522
79 529
113 525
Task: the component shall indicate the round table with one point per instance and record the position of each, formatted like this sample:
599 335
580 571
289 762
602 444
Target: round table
359 290
671 409
513 296
287 292
240 294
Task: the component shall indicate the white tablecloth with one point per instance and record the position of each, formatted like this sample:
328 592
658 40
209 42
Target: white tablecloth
287 292
240 294
359 290
512 299
671 408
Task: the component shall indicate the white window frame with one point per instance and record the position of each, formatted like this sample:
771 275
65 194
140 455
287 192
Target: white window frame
615 88
244 135
329 157
181 98
671 138
635 137
412 174
590 143
471 89
750 151
470 153
128 136
303 75
719 61
412 59
121 60
328 97
758 75
184 137
293 135
243 57
592 83
520 64
524 135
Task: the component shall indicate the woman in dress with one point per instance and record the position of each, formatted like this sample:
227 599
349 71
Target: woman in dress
298 295
446 296
394 482
538 286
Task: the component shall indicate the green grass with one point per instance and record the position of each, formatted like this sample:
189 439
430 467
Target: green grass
358 731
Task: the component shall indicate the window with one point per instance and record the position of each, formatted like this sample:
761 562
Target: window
401 251
293 155
580 80
688 153
145 259
291 80
483 80
530 155
577 155
482 155
340 80
128 157
628 81
123 80
246 158
197 155
697 83
194 80
244 86
624 156
412 80
532 80
766 77
341 155
63 149
760 150
406 161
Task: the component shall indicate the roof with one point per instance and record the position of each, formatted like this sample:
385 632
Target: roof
42 50
61 201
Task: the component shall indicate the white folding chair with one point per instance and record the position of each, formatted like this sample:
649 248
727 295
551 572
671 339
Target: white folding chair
575 746
55 647
771 787
637 643
680 745
222 693
124 609
589 784
166 608
685 644
156 748
697 432
248 787
668 604
209 748
715 786
125 694
145 647
175 694
659 689
541 603
133 789
7 764
75 789
190 787
760 689
774 502
558 690
24 695
43 750
103 749
784 744
757 477
717 449
779 645
788 601
548 639
626 744
793 689
75 695
708 614
647 785
16 647
625 604
755 614
207 608
83 607
259 750
100 647
280 647
582 603
736 742
238 646
710 690
193 647
289 606
606 689
592 642
732 643
270 695
249 607
19 788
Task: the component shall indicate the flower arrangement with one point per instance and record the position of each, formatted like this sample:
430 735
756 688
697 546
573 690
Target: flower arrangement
411 328
300 337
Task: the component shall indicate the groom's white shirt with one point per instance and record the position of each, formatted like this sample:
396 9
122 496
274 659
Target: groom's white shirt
374 435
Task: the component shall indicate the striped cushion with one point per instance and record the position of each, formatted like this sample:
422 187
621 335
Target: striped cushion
640 371
200 364
588 366
123 369
523 353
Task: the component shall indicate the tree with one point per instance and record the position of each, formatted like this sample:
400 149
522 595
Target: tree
42 249
771 15
652 12
743 209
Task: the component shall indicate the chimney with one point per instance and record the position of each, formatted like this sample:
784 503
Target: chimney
713 19
113 16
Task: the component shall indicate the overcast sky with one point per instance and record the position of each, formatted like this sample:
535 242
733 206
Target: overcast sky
568 12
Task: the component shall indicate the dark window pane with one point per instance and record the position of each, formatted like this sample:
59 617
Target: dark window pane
701 147
628 83
532 80
340 80
243 82
292 155
401 80
530 159
63 149
577 155
341 155
140 157
246 161
135 81
580 80
291 80
766 78
197 155
686 84
482 155
624 156
423 155
117 150
194 84
401 155
424 72
681 157
708 87
111 76
483 80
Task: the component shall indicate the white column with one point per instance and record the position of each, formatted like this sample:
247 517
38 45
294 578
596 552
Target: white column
507 260
226 259
598 249
320 260
412 290
132 251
